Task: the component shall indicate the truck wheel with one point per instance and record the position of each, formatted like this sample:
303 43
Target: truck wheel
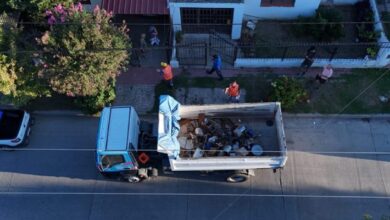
133 179
237 178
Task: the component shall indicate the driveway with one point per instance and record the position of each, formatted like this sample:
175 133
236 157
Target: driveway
55 178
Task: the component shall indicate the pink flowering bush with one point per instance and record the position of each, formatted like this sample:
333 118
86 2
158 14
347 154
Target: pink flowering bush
60 14
86 52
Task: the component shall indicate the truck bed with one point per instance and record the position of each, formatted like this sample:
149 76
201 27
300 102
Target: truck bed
223 136
263 130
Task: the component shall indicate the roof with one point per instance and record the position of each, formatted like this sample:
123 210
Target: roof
118 129
136 7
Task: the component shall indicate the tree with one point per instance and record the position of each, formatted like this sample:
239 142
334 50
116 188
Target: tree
83 52
19 81
33 7
7 75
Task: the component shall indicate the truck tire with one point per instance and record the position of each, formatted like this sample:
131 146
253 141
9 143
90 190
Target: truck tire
133 179
237 178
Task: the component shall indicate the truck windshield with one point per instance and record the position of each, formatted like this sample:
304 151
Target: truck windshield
112 160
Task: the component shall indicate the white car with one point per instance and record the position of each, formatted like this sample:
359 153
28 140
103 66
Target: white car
15 127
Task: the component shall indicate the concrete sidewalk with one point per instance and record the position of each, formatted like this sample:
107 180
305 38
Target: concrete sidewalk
136 86
149 76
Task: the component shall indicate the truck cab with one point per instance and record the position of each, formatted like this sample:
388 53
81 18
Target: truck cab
117 142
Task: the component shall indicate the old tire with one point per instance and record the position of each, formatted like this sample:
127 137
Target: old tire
133 179
237 178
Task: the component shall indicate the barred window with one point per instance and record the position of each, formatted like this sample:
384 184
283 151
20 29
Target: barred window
278 3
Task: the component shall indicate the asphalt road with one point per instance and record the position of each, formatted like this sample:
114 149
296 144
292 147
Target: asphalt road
64 184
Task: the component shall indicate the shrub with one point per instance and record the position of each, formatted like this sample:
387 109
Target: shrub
94 104
323 26
288 91
365 31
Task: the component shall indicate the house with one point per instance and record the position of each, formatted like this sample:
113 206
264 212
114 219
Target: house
197 16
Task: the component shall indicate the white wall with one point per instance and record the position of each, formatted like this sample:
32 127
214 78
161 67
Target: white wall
341 2
302 7
174 10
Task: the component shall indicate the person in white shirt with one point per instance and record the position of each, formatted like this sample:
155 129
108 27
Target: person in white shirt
327 73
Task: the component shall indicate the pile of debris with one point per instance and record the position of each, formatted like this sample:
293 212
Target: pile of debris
217 137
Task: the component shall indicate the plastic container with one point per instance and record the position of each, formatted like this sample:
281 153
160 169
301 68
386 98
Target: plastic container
238 131
256 150
198 153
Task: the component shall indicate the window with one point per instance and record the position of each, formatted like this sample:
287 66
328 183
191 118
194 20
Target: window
277 3
112 160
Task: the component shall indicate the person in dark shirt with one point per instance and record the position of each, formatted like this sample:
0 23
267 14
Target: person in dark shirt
308 61
217 64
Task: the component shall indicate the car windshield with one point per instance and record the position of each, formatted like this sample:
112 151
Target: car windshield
112 160
10 122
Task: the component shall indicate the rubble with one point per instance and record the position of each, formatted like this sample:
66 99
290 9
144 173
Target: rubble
217 137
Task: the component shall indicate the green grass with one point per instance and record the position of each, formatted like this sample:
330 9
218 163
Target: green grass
332 97
350 94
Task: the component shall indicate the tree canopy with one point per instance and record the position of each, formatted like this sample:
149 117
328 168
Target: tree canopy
83 51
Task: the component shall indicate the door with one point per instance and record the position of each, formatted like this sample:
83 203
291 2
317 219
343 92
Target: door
202 20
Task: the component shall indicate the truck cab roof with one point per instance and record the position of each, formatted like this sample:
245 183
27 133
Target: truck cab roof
118 129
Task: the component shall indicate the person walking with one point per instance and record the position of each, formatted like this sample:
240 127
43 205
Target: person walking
326 73
167 74
308 61
217 64
154 41
143 44
233 91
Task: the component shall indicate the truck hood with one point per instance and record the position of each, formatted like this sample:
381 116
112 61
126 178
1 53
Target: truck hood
168 126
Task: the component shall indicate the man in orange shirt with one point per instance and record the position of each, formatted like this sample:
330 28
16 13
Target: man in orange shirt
167 74
233 91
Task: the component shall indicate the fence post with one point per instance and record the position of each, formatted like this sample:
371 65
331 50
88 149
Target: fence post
284 53
205 54
333 53
235 53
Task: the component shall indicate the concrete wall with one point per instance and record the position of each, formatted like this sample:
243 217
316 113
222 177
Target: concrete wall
174 10
337 63
253 10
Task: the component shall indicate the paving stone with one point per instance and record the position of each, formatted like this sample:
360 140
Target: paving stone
141 97
200 96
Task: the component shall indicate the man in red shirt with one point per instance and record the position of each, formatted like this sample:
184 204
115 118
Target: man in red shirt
167 74
233 91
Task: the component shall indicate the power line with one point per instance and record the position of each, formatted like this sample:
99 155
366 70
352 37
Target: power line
184 150
206 24
257 45
308 196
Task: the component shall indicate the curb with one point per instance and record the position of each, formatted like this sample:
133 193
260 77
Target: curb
60 113
317 115
285 115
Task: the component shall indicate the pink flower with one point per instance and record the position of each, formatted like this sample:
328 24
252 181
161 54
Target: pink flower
79 7
96 9
51 20
69 94
62 18
48 13
59 9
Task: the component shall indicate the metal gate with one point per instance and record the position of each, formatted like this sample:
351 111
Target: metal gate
223 46
192 54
